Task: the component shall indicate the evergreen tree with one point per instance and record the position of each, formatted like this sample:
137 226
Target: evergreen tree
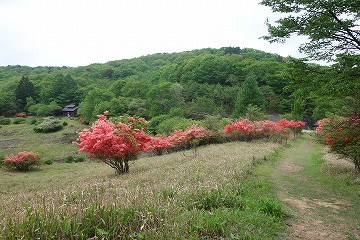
249 94
24 89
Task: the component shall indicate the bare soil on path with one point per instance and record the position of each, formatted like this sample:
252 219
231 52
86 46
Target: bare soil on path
318 191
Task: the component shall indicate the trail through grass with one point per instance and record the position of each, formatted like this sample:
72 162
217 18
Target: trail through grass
318 191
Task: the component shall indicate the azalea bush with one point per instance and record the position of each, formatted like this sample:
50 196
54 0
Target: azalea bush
22 161
179 140
294 126
114 143
20 114
246 130
269 130
342 135
240 130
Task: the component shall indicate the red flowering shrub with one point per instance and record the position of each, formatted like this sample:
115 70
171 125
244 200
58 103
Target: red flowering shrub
114 144
343 136
246 130
191 136
22 161
240 130
159 144
271 130
294 126
20 114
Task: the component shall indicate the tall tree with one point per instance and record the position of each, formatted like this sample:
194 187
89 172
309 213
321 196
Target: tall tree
93 102
24 89
249 94
332 26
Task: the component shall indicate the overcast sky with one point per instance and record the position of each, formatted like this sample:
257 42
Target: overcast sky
81 32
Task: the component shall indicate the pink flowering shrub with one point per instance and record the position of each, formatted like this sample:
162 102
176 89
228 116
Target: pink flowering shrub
114 144
278 131
22 161
189 138
179 139
158 144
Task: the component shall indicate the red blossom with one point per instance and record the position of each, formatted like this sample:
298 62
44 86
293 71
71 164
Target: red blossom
106 140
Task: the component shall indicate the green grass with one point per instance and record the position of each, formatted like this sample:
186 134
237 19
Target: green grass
218 194
56 146
328 187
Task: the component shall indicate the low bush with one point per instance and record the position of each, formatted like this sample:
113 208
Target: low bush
22 161
19 120
48 162
79 159
69 159
49 125
5 121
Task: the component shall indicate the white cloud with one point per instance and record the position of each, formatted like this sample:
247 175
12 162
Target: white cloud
79 32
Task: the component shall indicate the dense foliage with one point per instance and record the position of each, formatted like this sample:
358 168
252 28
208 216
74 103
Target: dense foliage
183 88
332 26
191 85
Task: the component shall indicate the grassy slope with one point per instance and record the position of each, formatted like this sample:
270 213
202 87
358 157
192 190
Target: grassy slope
171 196
54 146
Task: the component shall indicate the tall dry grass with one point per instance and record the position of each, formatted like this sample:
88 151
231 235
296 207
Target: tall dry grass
167 183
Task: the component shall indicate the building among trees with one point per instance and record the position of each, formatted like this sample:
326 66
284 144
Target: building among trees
70 110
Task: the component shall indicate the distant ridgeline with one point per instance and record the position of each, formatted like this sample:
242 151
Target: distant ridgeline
189 85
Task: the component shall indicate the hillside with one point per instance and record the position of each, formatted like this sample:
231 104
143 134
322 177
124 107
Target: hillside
200 83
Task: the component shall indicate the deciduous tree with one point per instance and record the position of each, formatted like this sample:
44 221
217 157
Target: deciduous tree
332 26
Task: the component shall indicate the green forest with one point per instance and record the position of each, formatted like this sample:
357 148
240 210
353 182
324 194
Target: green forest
180 88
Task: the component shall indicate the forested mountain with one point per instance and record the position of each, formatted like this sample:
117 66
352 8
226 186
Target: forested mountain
192 85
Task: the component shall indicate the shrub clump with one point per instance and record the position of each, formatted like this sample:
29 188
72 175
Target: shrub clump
19 120
49 125
5 121
80 159
48 162
22 161
69 159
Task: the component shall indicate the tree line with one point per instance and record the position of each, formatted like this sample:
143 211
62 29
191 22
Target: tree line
191 85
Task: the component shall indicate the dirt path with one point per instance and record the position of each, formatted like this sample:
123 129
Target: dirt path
322 200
